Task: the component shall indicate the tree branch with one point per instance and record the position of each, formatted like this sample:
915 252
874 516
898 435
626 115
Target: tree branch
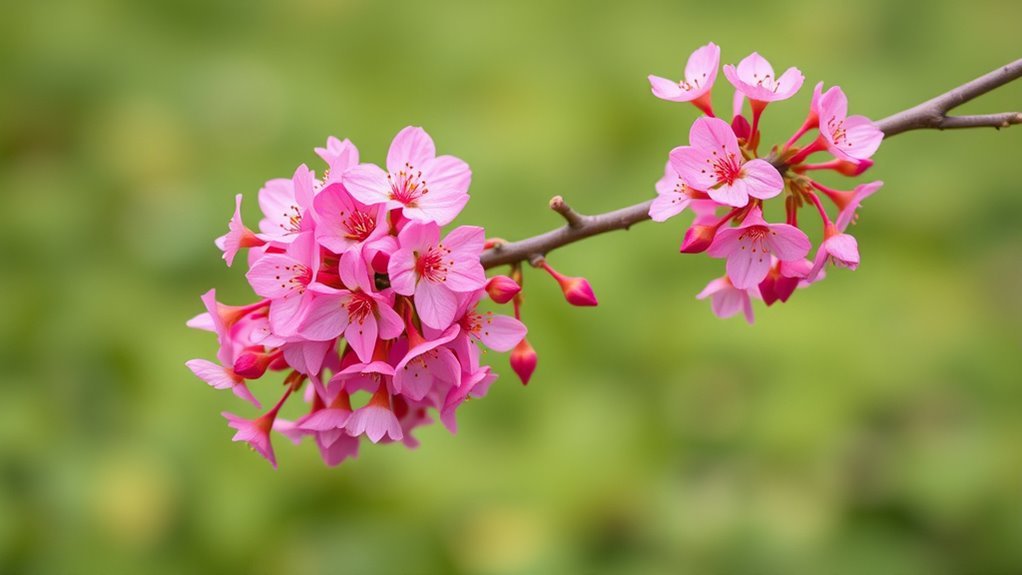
931 114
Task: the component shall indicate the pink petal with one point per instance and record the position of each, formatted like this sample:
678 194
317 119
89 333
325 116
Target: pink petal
788 84
746 269
667 89
843 248
788 242
435 304
343 448
368 184
714 135
340 156
690 163
446 175
735 194
375 422
413 146
269 275
862 192
724 243
326 317
702 65
390 323
864 137
217 376
754 68
401 269
501 332
762 180
362 338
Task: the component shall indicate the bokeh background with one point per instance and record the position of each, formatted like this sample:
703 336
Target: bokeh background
871 425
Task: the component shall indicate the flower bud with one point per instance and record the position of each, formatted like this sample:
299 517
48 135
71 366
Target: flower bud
576 289
523 360
252 365
502 289
698 239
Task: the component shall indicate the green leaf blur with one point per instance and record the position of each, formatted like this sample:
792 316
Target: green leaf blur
871 425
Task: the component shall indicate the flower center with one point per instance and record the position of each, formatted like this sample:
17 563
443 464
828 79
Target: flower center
293 220
359 307
432 265
407 185
359 225
297 277
837 131
726 168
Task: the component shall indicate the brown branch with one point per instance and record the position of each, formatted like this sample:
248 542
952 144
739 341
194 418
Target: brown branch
931 114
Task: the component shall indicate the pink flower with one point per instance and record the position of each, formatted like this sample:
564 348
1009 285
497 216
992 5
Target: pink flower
837 247
344 222
782 280
726 300
755 78
284 204
436 272
220 377
851 202
427 188
329 423
238 236
851 138
426 363
714 163
748 248
339 156
256 432
673 195
360 313
376 420
284 279
700 73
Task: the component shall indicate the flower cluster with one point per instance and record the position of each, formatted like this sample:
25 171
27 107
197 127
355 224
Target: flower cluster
722 179
365 298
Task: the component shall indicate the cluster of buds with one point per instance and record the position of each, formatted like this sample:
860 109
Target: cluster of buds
364 301
722 179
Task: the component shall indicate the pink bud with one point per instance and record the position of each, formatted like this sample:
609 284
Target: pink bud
502 289
740 126
523 360
698 239
251 365
853 169
576 289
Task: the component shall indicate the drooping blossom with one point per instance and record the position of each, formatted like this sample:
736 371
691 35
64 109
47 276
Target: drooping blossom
376 419
749 246
713 163
435 271
426 187
238 236
700 74
727 300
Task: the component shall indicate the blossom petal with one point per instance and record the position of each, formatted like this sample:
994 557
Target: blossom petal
411 146
762 180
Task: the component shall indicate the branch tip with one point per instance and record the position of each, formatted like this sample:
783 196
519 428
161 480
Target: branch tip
573 218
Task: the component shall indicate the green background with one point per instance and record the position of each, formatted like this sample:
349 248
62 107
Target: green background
871 425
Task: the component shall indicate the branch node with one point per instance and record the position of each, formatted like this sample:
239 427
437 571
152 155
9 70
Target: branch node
536 260
573 218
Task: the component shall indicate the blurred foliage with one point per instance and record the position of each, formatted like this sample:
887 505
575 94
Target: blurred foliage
871 425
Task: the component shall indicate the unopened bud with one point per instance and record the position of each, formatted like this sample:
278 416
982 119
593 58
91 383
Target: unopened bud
502 289
576 289
698 239
523 360
251 365
853 169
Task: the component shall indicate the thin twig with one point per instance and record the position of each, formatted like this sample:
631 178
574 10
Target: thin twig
931 114
573 218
